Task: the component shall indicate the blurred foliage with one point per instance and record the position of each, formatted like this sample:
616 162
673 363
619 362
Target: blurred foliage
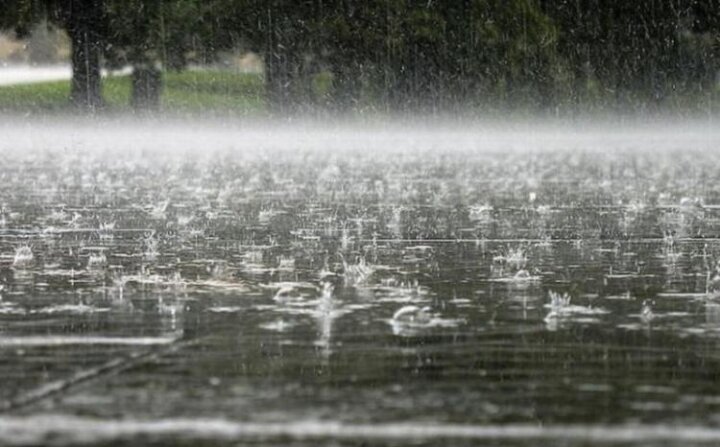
427 55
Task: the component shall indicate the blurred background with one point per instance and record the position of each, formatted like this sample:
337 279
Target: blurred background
469 57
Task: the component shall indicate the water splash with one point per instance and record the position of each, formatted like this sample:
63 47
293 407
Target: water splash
358 273
24 257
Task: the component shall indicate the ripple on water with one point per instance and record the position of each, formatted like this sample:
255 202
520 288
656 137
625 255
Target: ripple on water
66 340
69 309
225 309
412 320
278 325
34 430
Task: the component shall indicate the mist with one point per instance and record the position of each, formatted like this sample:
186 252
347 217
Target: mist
179 137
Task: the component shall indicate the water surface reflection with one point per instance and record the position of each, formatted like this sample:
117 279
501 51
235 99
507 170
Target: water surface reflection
486 290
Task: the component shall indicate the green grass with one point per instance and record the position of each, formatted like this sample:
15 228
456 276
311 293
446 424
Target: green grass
188 92
46 96
226 93
218 91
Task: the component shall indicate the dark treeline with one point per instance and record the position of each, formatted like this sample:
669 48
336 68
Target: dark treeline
419 55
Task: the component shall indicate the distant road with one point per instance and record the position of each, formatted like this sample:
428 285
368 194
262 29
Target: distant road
27 74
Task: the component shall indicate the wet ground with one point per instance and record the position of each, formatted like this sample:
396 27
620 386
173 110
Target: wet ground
465 291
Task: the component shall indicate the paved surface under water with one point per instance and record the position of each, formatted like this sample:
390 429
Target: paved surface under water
508 298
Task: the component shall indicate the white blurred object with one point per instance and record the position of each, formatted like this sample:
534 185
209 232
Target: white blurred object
30 74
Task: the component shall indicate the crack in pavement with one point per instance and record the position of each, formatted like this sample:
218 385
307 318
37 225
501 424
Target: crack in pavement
85 376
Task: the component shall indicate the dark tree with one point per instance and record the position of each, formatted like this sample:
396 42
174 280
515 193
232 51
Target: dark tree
85 23
402 54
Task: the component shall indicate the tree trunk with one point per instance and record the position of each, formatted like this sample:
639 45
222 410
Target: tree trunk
86 91
279 69
399 86
346 86
83 23
146 87
282 61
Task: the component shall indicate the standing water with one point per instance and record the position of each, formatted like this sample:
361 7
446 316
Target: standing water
306 285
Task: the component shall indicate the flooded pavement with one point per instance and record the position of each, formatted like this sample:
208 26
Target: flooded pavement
414 293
